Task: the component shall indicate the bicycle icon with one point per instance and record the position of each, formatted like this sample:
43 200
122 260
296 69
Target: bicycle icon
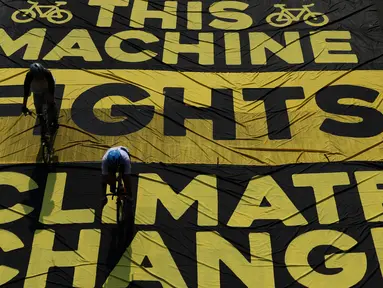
54 14
284 17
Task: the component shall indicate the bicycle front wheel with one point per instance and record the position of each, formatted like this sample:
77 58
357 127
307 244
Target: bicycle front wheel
23 16
316 19
60 18
120 211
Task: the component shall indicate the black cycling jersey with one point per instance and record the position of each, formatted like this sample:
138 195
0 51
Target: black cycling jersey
48 77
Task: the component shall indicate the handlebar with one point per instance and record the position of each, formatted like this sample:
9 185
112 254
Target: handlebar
115 194
121 192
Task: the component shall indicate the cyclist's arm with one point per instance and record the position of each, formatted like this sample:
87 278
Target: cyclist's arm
126 176
27 87
51 82
104 177
103 185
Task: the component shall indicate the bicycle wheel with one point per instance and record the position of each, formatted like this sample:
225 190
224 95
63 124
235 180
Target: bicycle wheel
120 210
23 16
60 18
46 154
47 151
316 19
279 20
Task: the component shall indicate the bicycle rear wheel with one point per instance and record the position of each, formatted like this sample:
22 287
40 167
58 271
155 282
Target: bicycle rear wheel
46 153
23 16
279 19
46 145
121 210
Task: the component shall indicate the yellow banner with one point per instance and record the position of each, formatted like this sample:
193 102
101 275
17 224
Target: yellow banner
193 117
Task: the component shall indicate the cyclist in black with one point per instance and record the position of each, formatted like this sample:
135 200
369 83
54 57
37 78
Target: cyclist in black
41 82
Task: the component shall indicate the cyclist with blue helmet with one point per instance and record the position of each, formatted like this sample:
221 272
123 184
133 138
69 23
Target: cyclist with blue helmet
41 82
116 160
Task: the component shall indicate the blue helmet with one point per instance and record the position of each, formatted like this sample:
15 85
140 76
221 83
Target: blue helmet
114 160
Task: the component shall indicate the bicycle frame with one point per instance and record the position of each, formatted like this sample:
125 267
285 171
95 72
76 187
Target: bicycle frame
120 193
118 188
116 194
120 185
38 8
287 11
34 115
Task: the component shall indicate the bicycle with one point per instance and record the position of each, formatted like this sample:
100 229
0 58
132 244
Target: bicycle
54 14
121 201
46 139
284 17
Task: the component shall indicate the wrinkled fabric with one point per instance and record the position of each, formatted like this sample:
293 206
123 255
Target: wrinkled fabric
254 131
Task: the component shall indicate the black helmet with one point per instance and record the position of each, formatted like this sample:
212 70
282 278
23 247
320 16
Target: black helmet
36 69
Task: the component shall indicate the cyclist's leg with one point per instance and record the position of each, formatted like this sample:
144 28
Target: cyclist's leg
120 178
122 183
38 100
112 182
128 187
